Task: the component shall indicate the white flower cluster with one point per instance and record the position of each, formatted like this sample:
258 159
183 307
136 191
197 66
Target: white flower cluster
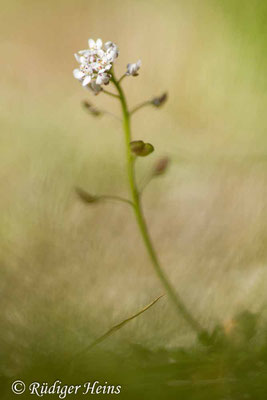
95 63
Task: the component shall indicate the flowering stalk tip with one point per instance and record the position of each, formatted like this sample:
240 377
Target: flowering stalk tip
95 64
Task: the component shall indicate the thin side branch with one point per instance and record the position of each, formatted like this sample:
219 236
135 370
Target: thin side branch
89 198
122 77
110 94
111 115
156 102
117 198
146 180
98 112
141 105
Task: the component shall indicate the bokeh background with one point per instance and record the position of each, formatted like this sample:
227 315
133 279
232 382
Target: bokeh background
69 272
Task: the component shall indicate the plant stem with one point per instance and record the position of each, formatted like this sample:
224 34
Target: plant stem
173 295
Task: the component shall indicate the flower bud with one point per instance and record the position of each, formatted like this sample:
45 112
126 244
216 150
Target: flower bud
159 101
133 68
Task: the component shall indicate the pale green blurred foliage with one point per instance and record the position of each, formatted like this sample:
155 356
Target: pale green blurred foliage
81 269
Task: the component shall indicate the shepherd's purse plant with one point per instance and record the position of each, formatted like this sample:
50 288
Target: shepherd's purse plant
95 72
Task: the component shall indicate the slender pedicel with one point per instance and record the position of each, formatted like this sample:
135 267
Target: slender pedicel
110 94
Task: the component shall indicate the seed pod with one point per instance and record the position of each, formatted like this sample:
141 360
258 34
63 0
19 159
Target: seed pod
161 166
141 149
159 101
86 197
137 146
148 149
91 109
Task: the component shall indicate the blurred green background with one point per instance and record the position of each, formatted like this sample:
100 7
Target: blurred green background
69 272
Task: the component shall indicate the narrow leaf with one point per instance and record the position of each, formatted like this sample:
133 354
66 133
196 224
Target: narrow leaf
117 327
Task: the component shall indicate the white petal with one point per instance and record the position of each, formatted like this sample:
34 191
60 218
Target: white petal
111 56
77 57
108 57
99 80
105 78
95 66
129 68
98 43
84 52
91 43
108 45
100 53
86 80
94 87
78 74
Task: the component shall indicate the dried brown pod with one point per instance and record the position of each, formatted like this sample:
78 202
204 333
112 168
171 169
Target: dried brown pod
161 166
85 196
91 109
159 101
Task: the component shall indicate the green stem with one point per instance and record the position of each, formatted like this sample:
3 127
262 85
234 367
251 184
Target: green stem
122 77
180 307
109 93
